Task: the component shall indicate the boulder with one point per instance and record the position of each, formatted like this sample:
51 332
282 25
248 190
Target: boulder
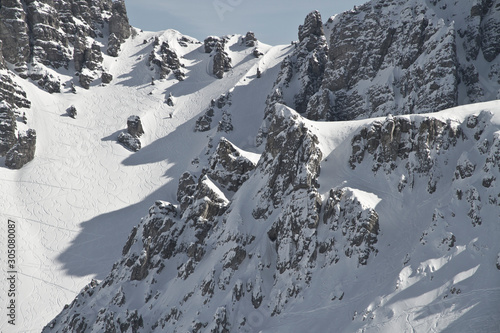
134 126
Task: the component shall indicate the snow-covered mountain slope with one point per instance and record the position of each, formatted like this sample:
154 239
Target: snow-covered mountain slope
77 201
397 233
238 214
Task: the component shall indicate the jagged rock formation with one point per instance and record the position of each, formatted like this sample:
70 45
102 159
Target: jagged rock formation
221 105
14 32
228 167
130 139
167 60
221 59
396 57
118 22
71 111
304 67
54 33
250 39
7 128
11 92
284 242
23 151
182 236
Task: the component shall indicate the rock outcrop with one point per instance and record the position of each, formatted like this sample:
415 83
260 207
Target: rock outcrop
118 22
396 57
218 110
7 128
130 138
221 60
40 34
229 167
304 68
23 151
167 61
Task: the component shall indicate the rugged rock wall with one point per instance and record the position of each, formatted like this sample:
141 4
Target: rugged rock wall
23 151
395 57
215 258
38 34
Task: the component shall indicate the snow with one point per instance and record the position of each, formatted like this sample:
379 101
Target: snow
78 200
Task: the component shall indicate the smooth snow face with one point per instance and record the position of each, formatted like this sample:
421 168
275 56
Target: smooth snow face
77 201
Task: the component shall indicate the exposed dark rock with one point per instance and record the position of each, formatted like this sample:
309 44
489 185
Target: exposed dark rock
208 202
211 43
490 30
118 23
12 93
313 26
106 77
225 124
250 39
50 83
256 53
221 59
23 151
222 63
228 167
114 45
134 126
130 139
304 68
203 123
14 32
167 61
131 142
398 138
358 225
7 128
71 111
85 79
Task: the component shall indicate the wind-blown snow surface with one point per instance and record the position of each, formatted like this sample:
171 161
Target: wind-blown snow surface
77 201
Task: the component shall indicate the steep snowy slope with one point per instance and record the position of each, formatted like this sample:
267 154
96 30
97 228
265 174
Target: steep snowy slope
397 234
77 201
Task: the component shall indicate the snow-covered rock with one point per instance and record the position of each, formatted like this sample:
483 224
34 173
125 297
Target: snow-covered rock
23 151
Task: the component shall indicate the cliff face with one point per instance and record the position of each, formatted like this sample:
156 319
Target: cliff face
399 57
38 35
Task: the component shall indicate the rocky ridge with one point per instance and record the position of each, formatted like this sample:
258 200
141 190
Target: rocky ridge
44 35
395 57
182 235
